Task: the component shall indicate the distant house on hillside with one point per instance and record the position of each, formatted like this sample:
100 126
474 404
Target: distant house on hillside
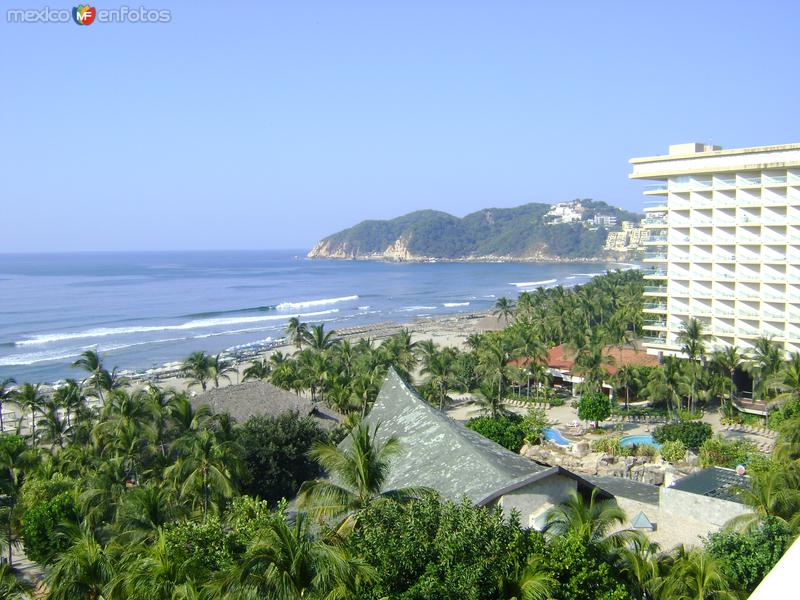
561 363
441 454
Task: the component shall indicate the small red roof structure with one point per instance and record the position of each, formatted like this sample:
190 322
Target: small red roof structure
559 357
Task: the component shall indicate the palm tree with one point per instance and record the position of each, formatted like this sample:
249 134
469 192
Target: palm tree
260 370
728 359
30 397
144 510
590 521
696 575
318 339
82 571
287 562
440 367
205 467
528 582
773 492
149 572
12 584
91 362
590 363
70 398
788 380
54 428
361 467
493 360
669 383
627 377
219 368
296 331
6 393
641 564
692 338
766 360
503 309
197 367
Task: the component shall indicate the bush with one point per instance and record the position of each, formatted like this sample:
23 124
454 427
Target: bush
594 407
645 450
610 445
745 558
507 430
533 425
40 527
719 452
691 433
276 454
673 452
200 547
432 550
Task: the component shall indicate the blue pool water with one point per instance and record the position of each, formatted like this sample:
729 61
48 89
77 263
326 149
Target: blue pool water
630 440
554 435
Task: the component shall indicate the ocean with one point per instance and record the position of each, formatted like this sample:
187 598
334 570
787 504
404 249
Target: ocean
141 310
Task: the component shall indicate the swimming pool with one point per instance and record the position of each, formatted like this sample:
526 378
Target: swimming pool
554 435
638 440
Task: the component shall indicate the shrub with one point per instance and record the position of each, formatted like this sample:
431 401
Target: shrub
745 558
276 454
719 452
506 430
647 450
200 547
689 415
673 451
594 407
534 425
691 433
40 527
610 445
431 549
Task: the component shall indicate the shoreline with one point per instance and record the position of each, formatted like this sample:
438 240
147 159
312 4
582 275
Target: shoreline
448 330
479 259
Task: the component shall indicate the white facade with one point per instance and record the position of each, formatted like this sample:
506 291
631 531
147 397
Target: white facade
723 244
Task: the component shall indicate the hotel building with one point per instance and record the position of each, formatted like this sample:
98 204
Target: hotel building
722 244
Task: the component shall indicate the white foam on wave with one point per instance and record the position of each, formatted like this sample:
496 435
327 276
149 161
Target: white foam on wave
532 283
589 274
367 307
452 304
312 303
415 308
195 324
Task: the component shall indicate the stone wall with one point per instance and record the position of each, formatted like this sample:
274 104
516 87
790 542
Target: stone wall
706 509
535 499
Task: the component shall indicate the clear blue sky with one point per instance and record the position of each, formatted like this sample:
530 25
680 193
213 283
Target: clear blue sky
269 125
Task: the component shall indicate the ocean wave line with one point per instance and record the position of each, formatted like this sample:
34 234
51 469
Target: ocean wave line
452 304
532 283
194 324
310 303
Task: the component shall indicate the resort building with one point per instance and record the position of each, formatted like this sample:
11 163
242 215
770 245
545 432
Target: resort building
441 454
723 244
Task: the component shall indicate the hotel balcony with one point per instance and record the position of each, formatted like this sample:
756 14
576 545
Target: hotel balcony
655 306
656 188
660 240
655 289
654 272
655 256
655 222
654 340
655 323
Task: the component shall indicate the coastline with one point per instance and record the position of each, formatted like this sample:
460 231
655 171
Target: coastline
477 259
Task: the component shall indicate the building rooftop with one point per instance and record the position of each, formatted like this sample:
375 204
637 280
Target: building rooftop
626 488
559 357
256 398
443 455
714 482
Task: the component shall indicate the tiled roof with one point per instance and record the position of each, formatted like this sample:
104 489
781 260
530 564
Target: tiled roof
559 357
442 454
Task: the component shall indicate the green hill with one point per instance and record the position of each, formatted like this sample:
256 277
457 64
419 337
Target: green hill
520 232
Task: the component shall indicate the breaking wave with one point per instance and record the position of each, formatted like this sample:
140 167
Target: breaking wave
311 303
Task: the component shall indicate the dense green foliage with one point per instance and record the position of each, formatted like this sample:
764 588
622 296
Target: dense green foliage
40 527
747 558
429 550
594 406
506 430
691 433
276 454
717 451
673 451
520 231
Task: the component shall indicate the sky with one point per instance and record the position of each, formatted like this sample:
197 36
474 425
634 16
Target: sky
249 125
